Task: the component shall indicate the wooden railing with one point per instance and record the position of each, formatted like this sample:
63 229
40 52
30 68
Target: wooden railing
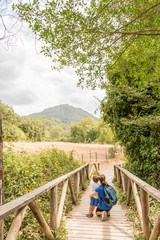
129 183
19 205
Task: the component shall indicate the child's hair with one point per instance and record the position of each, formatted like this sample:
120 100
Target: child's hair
102 179
95 178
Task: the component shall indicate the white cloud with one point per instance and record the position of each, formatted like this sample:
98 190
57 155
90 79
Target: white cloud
28 84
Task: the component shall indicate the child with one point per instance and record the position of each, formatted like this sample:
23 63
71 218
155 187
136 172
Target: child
94 200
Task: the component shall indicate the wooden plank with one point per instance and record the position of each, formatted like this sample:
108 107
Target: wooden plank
80 227
53 208
145 213
16 224
60 210
156 230
24 200
151 190
42 222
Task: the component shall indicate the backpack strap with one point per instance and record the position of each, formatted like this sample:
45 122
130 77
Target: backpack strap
100 200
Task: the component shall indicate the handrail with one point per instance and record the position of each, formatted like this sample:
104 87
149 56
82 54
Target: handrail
20 204
148 188
129 183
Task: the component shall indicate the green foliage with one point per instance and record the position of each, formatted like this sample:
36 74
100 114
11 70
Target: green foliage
104 132
134 115
54 128
93 35
24 172
16 128
112 152
83 131
88 131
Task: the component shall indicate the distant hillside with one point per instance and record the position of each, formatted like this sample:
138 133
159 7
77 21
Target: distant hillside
64 112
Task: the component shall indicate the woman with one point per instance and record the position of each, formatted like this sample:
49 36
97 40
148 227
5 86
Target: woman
102 209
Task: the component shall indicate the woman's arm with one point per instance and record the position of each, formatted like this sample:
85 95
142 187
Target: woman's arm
92 194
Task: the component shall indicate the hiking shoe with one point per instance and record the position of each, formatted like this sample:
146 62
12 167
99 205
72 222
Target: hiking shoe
108 214
104 216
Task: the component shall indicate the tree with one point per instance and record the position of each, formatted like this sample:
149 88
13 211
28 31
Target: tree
91 36
135 117
84 131
104 132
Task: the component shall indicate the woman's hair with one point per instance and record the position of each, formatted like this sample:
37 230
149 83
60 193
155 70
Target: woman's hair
102 179
95 178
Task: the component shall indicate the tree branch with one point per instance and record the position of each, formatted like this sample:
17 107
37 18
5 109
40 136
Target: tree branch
101 10
138 17
139 33
124 51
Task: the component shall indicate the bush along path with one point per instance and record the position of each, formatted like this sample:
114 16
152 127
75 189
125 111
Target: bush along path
24 172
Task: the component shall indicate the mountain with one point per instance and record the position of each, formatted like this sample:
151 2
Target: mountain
64 112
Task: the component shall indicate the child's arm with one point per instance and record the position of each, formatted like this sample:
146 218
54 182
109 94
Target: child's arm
92 194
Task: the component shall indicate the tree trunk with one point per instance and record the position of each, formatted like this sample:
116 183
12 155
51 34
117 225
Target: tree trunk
1 178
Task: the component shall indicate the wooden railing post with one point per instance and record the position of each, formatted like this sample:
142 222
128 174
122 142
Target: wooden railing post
61 204
129 189
83 174
119 177
124 182
115 172
137 200
142 202
53 207
42 222
87 171
156 230
16 224
82 178
1 179
76 184
145 213
72 191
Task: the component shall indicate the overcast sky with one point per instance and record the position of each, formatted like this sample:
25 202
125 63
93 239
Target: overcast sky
28 84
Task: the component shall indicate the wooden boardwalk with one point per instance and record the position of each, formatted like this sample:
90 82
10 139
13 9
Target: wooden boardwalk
116 227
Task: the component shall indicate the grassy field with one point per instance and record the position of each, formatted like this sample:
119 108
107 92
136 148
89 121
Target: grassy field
83 152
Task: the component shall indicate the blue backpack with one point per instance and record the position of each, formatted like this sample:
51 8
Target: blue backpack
110 195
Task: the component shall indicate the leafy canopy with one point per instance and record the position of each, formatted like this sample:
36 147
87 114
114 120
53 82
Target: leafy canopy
92 35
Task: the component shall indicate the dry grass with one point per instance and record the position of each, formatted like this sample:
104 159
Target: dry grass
83 152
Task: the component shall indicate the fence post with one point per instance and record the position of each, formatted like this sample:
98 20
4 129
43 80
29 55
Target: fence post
145 213
96 156
53 208
82 157
1 179
106 154
90 155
